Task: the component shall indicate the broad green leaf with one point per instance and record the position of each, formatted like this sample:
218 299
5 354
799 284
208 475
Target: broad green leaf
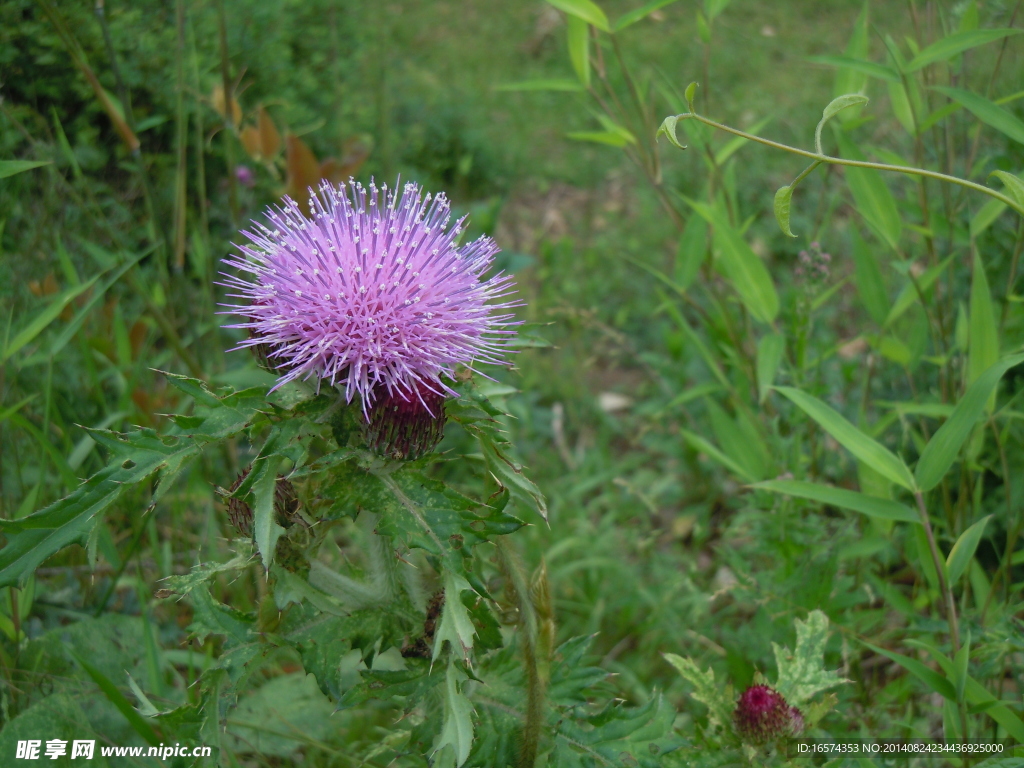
868 277
983 334
1014 188
835 106
802 672
783 200
72 328
552 84
689 94
929 677
585 10
851 79
744 449
872 453
740 265
908 296
900 100
698 443
870 68
977 694
989 113
631 18
940 453
668 128
11 167
705 354
840 497
693 244
987 214
958 42
578 34
610 138
960 666
770 351
714 7
962 552
42 319
969 21
872 197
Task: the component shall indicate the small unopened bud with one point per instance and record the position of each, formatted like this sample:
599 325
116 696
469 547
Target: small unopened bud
406 425
762 715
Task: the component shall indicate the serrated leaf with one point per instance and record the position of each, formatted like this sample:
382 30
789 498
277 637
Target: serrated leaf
457 724
941 451
872 453
991 114
802 673
706 690
962 552
212 617
958 42
266 531
871 506
455 626
783 200
835 106
618 736
586 10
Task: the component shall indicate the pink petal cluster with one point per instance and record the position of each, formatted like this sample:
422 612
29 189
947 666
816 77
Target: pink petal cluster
371 292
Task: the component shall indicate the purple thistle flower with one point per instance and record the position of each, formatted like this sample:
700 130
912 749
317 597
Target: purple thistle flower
762 715
370 293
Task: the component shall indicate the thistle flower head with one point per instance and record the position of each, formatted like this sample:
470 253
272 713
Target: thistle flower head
762 715
372 293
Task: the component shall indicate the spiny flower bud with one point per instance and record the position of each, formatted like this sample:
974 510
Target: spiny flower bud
762 715
406 425
286 504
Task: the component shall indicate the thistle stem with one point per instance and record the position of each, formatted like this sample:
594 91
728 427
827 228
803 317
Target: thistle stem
512 565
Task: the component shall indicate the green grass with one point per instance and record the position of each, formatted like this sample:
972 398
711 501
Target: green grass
650 544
